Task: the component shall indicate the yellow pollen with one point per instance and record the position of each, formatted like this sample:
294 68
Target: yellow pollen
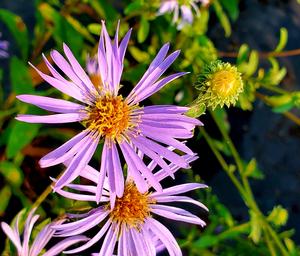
224 83
109 116
133 208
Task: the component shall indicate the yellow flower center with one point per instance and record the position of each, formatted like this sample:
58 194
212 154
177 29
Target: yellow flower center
224 83
109 116
133 208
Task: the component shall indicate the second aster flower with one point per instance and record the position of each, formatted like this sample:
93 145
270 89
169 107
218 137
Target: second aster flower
130 227
183 7
122 122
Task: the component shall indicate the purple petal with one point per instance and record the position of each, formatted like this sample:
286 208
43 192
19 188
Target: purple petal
175 213
158 109
180 133
110 240
179 189
62 86
82 225
123 45
86 82
50 104
41 240
164 235
179 118
64 244
65 151
161 174
132 168
136 164
164 152
79 162
65 67
31 220
154 75
152 155
75 196
102 172
53 70
148 242
167 199
52 119
186 14
91 242
12 236
118 171
168 141
157 86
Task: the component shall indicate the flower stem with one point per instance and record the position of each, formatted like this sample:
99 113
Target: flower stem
45 193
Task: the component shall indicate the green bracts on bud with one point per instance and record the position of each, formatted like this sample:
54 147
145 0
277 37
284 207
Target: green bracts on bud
219 84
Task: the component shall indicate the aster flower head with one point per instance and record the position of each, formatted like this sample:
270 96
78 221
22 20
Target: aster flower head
43 237
130 227
219 84
122 123
182 9
3 48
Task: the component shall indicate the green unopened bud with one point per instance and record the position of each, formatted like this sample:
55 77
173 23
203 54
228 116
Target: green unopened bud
219 84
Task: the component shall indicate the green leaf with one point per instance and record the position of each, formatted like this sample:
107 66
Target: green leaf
95 28
5 195
290 244
252 170
133 7
80 28
143 30
205 241
242 54
282 40
283 108
20 135
12 173
19 77
252 64
139 55
18 29
255 233
232 7
104 9
222 17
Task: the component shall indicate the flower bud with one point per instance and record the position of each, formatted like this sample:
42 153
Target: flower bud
219 84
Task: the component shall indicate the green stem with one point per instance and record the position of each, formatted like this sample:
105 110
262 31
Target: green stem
275 89
270 244
45 193
222 162
276 239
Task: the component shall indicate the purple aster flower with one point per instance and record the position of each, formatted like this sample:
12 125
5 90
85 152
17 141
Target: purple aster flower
184 8
130 226
122 123
41 240
3 48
